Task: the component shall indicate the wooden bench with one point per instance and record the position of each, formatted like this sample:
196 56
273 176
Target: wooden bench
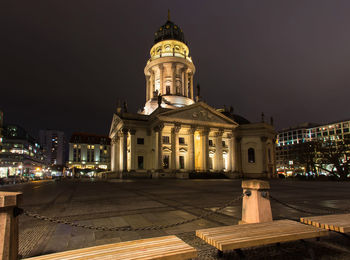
167 247
259 234
339 223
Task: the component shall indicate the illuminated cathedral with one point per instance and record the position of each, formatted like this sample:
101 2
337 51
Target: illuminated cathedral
176 133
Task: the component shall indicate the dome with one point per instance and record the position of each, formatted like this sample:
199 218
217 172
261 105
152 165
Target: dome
169 31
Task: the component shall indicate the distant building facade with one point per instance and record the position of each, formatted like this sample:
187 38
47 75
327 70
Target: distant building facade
176 133
289 140
53 142
89 151
20 154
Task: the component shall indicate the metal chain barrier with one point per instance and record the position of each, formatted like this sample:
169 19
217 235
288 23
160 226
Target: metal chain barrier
336 211
103 228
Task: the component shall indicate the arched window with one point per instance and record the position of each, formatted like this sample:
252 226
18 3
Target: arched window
168 90
251 155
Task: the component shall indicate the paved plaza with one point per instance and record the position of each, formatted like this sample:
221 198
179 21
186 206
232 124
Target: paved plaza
141 203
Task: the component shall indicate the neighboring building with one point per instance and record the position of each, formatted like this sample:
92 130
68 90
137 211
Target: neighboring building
289 142
20 154
53 142
177 133
89 151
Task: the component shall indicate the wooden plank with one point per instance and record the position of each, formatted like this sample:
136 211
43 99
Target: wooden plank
336 222
167 247
248 235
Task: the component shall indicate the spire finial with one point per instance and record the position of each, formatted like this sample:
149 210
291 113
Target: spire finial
168 15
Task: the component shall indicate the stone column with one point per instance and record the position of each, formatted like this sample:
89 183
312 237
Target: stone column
186 80
173 78
191 86
9 225
175 147
231 153
205 148
125 149
219 158
148 88
264 159
152 82
115 153
132 150
191 149
159 129
161 72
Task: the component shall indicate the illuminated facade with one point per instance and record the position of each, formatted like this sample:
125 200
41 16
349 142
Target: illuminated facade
176 134
289 140
89 151
20 154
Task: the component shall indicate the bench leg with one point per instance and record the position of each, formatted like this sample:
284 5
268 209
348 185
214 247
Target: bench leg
220 253
239 252
309 250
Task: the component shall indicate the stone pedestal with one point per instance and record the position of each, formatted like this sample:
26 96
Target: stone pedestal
9 225
256 207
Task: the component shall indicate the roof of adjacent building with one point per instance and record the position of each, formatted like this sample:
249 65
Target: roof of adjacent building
237 118
88 138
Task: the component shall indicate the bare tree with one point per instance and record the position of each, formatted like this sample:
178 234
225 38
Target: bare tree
334 153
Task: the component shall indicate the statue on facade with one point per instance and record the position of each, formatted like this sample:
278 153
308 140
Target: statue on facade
159 100
231 110
125 106
262 117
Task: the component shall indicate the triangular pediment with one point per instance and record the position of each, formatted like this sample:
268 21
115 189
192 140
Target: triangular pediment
198 113
116 121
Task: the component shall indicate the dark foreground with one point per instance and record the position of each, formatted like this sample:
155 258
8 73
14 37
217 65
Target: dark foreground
140 203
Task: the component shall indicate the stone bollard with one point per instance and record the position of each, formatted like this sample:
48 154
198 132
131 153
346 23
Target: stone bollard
9 225
256 207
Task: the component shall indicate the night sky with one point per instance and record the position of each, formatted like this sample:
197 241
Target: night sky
64 64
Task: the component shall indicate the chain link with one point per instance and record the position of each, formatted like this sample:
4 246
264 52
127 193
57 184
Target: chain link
103 228
308 211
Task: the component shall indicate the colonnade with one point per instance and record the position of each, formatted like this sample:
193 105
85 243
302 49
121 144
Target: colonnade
178 73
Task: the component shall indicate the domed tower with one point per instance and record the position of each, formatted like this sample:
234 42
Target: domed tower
169 71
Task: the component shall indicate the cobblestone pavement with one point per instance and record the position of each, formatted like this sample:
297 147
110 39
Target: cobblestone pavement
140 203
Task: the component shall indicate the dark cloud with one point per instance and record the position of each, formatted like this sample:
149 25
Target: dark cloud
64 64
